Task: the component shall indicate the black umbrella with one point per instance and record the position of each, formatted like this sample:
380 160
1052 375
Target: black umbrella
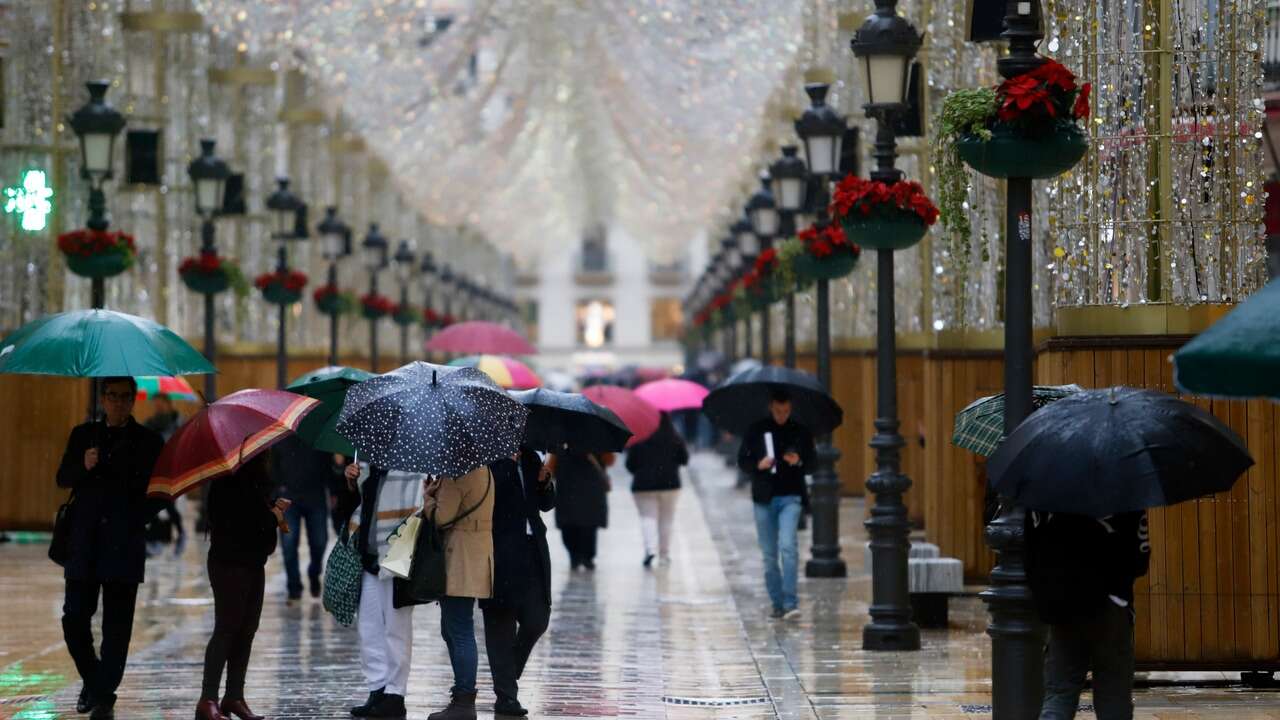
1121 449
743 398
431 419
558 419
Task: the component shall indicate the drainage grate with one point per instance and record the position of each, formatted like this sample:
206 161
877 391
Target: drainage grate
693 600
984 709
714 702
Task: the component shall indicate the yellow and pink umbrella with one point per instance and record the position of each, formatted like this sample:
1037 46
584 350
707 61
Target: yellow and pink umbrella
508 373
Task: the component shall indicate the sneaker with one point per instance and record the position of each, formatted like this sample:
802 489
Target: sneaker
776 613
648 560
103 711
791 614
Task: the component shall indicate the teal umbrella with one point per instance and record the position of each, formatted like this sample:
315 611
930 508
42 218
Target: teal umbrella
328 385
1238 356
980 425
98 343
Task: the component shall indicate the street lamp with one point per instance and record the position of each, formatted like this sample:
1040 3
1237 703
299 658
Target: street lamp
336 239
406 263
822 129
789 181
447 289
283 206
374 252
885 44
765 221
748 250
208 176
730 259
427 271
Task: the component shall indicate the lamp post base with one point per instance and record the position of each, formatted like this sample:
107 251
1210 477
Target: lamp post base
826 568
825 561
888 637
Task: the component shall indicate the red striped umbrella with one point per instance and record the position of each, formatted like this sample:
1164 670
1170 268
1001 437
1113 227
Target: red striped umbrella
477 337
225 435
640 417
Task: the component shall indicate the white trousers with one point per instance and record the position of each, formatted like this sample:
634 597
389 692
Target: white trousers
386 636
657 514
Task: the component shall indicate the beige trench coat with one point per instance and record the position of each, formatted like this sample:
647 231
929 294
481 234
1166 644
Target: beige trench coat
468 545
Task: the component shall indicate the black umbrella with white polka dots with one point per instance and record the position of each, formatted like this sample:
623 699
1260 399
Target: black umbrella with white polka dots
431 419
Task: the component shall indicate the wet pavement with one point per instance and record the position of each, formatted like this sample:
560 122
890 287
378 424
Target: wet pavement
692 640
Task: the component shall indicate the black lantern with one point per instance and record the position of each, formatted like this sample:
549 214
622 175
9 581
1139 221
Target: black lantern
886 44
96 124
763 211
446 280
209 177
374 249
746 240
730 258
404 259
284 206
335 235
428 269
787 178
822 130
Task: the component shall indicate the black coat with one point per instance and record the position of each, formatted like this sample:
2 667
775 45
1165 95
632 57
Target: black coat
788 480
302 471
242 528
1075 562
111 510
516 510
655 463
582 491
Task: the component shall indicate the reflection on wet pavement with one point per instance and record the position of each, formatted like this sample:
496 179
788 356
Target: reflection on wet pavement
692 640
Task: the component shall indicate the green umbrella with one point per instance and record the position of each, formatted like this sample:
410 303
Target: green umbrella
328 385
980 425
98 343
1239 355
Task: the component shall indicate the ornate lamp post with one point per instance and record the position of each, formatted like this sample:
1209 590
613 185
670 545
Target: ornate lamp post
727 270
405 263
96 124
763 212
209 179
886 44
284 206
821 129
374 249
447 288
336 237
427 271
788 182
748 246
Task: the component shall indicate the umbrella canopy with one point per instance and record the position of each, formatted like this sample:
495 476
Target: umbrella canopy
1238 356
980 425
480 337
328 385
560 380
175 388
743 399
98 343
1101 452
641 418
223 436
558 420
744 365
509 373
673 394
433 419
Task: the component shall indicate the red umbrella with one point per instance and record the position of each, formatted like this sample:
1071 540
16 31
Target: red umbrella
640 417
223 436
477 337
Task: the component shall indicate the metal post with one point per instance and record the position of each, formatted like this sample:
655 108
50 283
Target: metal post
373 325
789 332
765 340
210 340
1017 636
731 335
333 319
97 286
282 349
404 329
826 560
748 343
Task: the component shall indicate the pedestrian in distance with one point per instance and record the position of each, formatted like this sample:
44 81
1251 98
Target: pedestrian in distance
655 486
303 473
582 507
1081 571
518 613
776 452
243 517
106 464
165 421
465 505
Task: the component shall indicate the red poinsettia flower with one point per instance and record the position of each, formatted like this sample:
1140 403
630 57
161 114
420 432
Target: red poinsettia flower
1055 74
324 292
85 242
864 197
380 304
1081 108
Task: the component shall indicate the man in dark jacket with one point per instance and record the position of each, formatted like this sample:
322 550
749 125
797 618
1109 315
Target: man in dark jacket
517 614
107 465
304 474
777 452
1081 571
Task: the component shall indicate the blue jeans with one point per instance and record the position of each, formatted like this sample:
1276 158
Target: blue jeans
776 524
316 518
458 628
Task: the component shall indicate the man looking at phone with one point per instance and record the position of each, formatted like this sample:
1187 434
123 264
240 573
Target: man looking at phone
107 464
777 452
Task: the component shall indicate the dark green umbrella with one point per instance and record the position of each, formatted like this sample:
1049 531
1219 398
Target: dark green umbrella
328 385
98 343
980 425
1238 356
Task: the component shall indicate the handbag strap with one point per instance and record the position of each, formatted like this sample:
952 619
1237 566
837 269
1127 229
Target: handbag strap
488 484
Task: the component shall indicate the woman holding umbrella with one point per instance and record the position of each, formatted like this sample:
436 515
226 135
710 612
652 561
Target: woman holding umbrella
655 485
582 506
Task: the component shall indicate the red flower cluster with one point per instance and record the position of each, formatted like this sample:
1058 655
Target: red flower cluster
447 320
1045 94
431 317
827 241
291 280
380 304
204 264
856 195
325 292
87 243
701 317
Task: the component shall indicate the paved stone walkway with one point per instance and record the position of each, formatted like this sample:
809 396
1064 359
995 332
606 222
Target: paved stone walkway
688 641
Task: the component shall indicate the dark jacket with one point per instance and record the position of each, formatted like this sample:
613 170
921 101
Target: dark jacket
111 510
242 528
1075 562
302 471
655 463
788 480
517 508
581 491
164 423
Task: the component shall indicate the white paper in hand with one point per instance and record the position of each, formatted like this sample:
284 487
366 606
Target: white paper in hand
768 452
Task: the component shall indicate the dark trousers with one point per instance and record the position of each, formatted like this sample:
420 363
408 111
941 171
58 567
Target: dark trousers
317 521
580 541
237 606
510 632
101 674
1102 643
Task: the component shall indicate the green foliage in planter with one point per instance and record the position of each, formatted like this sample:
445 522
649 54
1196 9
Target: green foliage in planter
788 279
964 113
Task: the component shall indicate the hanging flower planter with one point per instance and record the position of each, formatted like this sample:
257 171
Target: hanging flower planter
762 282
97 253
281 288
405 315
208 274
430 318
332 301
375 307
1009 153
882 216
828 254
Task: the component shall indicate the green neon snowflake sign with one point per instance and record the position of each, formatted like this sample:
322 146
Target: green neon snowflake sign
31 200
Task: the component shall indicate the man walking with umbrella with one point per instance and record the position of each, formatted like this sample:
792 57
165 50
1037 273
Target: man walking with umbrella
107 465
